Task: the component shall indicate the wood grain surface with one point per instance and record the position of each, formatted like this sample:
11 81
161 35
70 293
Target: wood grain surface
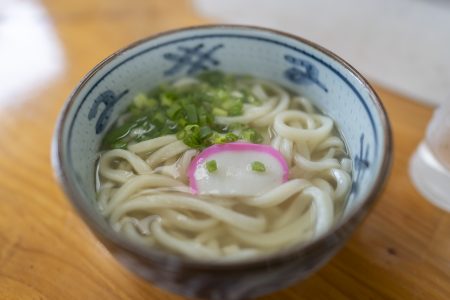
401 251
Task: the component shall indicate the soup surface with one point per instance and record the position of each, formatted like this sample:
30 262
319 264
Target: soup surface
222 167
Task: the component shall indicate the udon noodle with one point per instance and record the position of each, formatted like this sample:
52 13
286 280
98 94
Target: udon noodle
145 193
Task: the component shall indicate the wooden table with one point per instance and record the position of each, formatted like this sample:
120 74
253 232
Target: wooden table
402 250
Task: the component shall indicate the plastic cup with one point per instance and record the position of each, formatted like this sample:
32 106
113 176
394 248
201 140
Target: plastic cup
430 165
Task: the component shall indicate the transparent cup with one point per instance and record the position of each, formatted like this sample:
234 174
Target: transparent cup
429 166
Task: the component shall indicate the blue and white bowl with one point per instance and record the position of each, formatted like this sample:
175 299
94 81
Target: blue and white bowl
308 69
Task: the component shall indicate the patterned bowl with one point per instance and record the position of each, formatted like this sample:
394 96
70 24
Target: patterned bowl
308 69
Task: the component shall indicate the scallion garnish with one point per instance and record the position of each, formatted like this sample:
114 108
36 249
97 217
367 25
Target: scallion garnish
174 110
219 112
258 166
211 166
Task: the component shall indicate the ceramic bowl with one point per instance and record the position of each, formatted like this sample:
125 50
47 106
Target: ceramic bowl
297 64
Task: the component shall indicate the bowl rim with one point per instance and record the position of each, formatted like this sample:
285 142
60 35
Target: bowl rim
158 257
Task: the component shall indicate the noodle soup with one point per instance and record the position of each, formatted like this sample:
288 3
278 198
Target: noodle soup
222 167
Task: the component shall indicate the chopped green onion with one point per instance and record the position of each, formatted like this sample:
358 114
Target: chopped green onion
141 101
191 129
219 112
251 135
216 78
182 122
171 110
222 138
228 104
181 134
204 117
211 166
191 136
205 132
165 100
258 166
159 118
191 113
236 109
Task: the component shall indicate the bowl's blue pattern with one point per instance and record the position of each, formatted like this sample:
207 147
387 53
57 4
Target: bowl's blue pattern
303 72
361 164
108 98
194 59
